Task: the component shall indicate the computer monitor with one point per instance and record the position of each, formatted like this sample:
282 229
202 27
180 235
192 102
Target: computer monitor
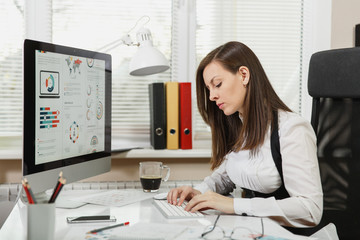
67 114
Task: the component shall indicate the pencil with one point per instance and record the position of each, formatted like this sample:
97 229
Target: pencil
57 187
63 181
31 193
57 190
109 227
27 192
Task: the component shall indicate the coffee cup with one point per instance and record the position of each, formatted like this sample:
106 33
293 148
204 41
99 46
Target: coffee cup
151 175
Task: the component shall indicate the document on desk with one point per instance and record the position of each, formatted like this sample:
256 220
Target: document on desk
148 231
166 231
115 198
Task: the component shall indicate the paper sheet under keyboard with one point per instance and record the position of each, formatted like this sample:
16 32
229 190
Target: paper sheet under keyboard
116 198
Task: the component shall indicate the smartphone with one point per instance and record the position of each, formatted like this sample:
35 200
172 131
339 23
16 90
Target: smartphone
88 219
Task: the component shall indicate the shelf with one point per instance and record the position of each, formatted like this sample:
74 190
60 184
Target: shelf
166 153
11 154
16 154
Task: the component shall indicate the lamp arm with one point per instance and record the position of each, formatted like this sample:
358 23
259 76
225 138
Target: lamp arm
126 39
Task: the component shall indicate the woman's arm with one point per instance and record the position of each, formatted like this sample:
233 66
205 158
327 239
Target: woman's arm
218 182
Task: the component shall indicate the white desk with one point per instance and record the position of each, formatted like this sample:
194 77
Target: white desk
144 211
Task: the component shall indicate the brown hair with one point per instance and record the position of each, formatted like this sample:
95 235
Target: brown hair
229 133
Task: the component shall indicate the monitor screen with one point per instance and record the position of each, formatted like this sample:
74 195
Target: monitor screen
67 113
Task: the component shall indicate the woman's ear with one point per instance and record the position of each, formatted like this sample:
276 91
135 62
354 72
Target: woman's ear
245 74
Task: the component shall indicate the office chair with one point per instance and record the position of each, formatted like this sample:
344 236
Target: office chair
334 84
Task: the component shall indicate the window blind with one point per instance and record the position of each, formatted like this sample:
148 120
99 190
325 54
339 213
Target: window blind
11 44
272 29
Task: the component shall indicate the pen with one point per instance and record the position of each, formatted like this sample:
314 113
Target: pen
109 227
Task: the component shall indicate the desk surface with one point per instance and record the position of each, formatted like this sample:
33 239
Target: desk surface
138 212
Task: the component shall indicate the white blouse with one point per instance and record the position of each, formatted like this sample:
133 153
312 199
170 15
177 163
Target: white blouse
300 170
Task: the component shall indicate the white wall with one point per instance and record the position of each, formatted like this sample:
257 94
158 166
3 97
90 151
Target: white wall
345 15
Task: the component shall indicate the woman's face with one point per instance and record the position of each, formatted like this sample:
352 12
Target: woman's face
226 89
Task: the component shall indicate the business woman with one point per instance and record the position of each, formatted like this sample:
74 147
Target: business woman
258 144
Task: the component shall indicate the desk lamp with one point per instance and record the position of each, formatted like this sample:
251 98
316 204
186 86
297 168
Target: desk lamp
148 59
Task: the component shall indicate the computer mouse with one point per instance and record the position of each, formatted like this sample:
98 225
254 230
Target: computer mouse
161 196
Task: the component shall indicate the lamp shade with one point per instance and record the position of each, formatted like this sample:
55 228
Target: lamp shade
147 60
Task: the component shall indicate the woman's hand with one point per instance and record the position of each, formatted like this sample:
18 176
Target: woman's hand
184 192
211 200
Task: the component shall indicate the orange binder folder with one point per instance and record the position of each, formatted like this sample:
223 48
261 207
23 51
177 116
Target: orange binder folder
172 115
185 115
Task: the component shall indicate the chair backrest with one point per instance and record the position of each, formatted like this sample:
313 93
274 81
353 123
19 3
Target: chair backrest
334 84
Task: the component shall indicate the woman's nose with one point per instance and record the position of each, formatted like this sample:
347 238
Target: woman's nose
212 96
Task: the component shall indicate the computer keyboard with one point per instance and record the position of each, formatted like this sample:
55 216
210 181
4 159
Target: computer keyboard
173 211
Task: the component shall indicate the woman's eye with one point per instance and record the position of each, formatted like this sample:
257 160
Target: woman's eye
218 85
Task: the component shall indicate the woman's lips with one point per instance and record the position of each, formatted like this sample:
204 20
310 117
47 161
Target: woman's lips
220 105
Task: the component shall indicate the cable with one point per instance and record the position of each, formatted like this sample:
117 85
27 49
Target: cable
214 225
262 230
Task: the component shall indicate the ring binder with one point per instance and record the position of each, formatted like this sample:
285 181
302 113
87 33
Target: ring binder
157 115
185 115
172 113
